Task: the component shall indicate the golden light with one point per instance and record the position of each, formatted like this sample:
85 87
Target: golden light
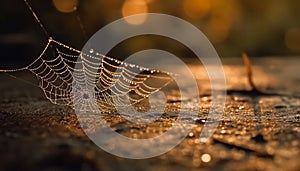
222 17
196 8
131 7
292 39
65 5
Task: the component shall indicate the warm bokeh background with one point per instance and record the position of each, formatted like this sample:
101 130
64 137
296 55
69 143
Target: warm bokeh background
260 28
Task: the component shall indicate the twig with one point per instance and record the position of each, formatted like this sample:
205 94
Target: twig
249 71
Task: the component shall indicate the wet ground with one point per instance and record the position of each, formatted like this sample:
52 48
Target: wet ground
258 131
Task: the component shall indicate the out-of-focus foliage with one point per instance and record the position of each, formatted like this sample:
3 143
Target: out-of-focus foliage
260 28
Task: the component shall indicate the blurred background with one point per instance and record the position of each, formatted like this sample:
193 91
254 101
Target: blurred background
260 28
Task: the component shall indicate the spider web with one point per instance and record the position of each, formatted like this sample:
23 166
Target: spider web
89 81
92 81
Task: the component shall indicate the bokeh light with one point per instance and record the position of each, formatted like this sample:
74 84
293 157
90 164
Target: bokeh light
65 6
223 16
259 28
196 8
131 7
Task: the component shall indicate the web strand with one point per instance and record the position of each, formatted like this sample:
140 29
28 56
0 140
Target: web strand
81 26
37 18
25 81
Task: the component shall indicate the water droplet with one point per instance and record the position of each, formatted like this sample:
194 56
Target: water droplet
203 140
206 158
91 50
191 134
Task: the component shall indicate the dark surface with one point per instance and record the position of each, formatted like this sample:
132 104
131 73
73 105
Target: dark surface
257 131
